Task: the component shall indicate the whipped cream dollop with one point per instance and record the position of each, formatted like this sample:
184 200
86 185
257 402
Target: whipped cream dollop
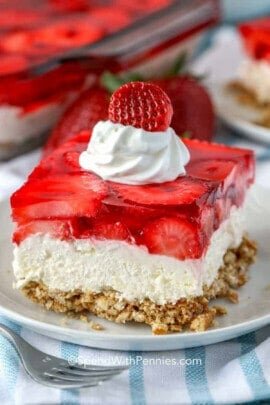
129 155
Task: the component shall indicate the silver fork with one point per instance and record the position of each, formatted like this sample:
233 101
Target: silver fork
55 372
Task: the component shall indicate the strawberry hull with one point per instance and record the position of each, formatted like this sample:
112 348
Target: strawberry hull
175 218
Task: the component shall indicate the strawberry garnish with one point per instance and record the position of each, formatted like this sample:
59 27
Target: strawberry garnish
183 190
193 112
142 105
83 114
175 237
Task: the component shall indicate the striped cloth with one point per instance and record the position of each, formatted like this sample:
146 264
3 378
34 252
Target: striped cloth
237 371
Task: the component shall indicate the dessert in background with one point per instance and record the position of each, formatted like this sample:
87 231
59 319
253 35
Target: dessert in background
193 115
252 85
37 83
132 223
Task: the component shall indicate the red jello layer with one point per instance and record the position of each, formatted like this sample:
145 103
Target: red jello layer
31 34
256 37
175 218
34 32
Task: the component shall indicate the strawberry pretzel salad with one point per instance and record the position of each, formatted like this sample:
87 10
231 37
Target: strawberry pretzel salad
135 223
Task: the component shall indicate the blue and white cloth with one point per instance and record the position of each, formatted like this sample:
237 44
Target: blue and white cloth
237 371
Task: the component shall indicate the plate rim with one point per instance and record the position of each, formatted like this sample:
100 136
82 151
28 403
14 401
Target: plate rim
244 127
263 320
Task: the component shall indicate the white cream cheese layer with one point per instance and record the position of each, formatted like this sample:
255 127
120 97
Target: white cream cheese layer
96 265
17 126
255 76
129 155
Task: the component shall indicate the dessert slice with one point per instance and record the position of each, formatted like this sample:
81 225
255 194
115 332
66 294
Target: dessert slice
252 86
138 225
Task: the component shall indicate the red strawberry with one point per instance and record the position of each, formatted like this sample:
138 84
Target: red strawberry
213 150
58 229
216 170
114 231
208 221
183 190
83 114
12 63
19 18
70 5
65 159
67 34
243 158
59 196
142 105
103 16
222 208
172 237
192 107
72 159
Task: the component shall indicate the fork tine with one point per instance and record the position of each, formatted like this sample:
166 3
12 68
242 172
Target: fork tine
76 378
90 367
87 373
67 384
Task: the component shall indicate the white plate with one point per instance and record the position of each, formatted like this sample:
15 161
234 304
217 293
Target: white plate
220 65
238 117
252 312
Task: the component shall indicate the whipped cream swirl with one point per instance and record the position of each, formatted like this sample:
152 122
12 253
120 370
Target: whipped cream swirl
129 155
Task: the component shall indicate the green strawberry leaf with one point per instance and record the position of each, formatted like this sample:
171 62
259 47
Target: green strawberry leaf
111 82
186 135
179 66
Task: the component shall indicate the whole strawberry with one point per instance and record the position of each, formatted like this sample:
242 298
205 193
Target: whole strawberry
142 105
192 106
90 107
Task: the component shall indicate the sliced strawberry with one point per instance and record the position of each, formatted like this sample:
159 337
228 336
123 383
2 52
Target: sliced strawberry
72 159
17 19
172 237
114 231
212 169
103 16
205 150
208 221
65 159
142 105
255 36
56 209
192 106
82 115
244 158
70 6
58 229
183 190
59 196
67 34
222 209
134 216
12 63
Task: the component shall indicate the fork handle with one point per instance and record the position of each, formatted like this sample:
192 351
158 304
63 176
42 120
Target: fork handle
17 341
